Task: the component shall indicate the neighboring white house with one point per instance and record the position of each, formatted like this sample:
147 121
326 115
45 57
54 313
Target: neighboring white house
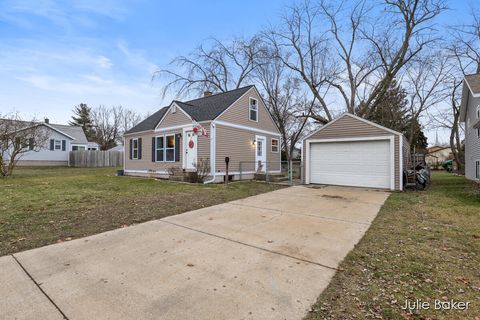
470 114
62 139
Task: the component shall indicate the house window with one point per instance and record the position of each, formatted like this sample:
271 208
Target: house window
159 149
135 149
275 145
477 169
58 144
76 148
253 110
170 148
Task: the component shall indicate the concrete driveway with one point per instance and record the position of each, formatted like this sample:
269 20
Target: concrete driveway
263 257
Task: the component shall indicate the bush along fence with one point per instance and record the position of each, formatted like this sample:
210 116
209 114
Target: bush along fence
95 158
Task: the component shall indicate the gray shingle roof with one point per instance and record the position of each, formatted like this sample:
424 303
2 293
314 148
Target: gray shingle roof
73 131
150 123
473 81
201 109
208 108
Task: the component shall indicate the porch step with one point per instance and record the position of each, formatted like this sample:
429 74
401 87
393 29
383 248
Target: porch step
271 177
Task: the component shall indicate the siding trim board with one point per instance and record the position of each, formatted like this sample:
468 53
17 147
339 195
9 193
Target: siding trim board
239 126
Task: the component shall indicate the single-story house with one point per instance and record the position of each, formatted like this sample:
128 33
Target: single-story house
352 151
234 125
470 115
436 155
61 140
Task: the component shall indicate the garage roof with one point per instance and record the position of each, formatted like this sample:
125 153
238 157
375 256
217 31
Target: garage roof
346 114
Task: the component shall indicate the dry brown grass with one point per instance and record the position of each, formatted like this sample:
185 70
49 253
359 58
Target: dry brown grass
422 245
47 205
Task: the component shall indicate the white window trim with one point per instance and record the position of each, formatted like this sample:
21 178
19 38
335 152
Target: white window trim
133 149
271 145
55 145
157 148
392 153
165 147
251 109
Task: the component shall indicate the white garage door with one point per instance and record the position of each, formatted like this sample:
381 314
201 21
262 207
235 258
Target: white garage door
359 163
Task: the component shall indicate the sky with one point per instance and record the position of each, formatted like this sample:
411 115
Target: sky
57 54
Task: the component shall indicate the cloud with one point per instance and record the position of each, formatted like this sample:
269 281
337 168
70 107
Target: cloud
136 58
65 14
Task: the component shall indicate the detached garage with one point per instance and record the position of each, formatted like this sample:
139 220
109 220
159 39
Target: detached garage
351 151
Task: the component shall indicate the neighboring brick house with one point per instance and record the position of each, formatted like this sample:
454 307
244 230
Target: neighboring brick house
470 114
238 125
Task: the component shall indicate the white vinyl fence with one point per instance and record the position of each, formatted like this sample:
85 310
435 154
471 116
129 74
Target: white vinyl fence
95 158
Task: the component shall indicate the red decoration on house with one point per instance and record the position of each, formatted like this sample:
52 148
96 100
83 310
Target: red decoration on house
195 130
191 144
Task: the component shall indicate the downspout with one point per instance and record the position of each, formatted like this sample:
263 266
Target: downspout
213 154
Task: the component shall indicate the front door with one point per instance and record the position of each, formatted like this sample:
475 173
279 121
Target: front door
260 153
190 150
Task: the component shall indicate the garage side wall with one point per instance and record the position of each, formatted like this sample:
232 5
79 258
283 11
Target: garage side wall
349 127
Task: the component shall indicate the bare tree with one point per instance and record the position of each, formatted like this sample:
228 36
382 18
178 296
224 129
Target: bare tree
449 118
414 18
213 66
17 137
106 123
110 123
356 57
303 49
128 119
426 80
285 101
464 51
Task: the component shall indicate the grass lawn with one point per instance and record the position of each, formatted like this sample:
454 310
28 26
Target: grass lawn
422 245
40 206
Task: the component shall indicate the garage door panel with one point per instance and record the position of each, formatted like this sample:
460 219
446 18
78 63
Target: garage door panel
359 163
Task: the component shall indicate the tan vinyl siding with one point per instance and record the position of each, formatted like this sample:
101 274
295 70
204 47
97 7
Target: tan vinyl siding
203 149
349 127
174 119
237 144
146 162
472 141
238 113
